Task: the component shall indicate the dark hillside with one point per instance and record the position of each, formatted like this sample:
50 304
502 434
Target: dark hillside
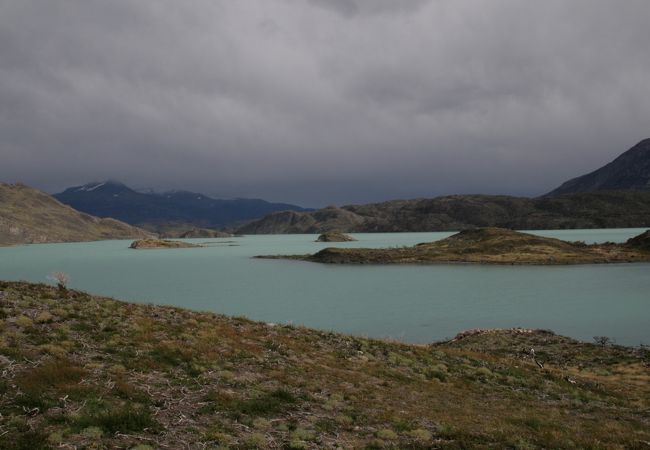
615 209
630 171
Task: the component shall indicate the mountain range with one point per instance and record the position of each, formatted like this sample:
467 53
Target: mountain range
153 210
616 195
608 209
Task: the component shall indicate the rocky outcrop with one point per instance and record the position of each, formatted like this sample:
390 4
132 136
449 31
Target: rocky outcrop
334 236
149 244
320 221
204 233
195 233
640 242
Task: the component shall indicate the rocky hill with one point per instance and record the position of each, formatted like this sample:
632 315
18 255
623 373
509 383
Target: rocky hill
28 216
80 371
194 233
614 209
489 246
320 221
631 170
114 199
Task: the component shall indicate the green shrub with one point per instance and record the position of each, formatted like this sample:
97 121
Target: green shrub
267 404
46 381
127 391
24 322
255 440
27 440
438 371
387 434
484 372
420 434
126 419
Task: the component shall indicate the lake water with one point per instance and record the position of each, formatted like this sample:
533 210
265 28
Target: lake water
408 303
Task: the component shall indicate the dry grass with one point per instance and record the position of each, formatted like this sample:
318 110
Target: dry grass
105 374
28 215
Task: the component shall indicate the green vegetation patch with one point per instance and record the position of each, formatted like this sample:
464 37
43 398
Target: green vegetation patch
42 385
122 419
266 404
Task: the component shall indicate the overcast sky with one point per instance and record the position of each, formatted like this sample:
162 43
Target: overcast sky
320 101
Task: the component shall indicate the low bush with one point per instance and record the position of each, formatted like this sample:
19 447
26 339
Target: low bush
125 419
46 381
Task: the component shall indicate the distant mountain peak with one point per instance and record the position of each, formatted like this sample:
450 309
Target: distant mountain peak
90 186
629 171
94 185
112 198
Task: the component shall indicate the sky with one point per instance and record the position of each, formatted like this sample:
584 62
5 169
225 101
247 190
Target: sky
319 102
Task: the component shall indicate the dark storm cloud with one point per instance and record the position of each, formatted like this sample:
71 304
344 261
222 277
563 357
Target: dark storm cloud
320 101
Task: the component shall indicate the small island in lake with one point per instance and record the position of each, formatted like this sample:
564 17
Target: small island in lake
335 236
149 244
489 246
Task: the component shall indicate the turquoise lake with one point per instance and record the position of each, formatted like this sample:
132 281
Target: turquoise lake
407 303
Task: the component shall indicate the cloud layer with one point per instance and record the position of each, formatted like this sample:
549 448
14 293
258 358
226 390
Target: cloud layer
320 101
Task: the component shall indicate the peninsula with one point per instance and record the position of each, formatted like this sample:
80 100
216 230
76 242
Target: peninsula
489 246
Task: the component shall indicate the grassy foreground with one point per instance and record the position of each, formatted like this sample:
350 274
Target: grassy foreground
79 371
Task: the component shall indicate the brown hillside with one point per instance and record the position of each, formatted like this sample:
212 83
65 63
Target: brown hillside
29 216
